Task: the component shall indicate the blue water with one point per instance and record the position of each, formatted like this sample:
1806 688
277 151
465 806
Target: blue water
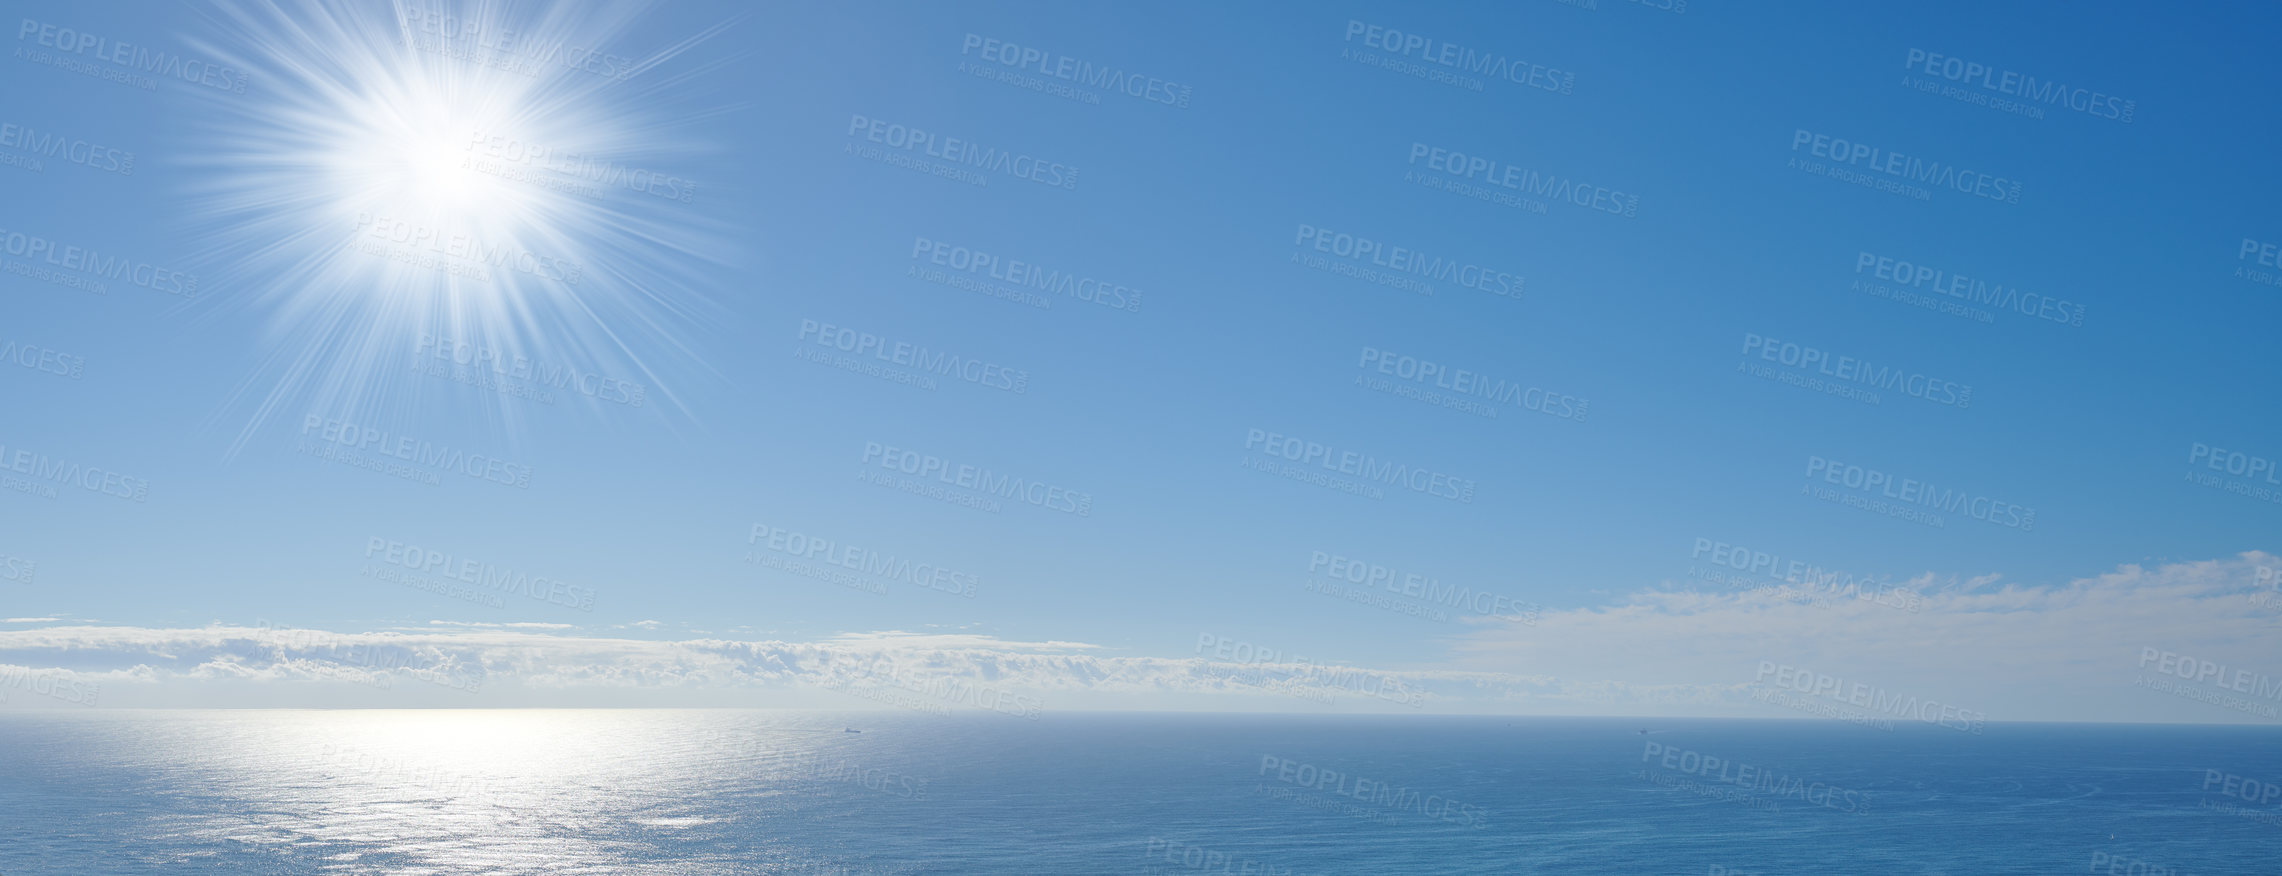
705 792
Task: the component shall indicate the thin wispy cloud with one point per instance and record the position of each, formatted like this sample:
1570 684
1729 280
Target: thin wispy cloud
2088 637
1656 652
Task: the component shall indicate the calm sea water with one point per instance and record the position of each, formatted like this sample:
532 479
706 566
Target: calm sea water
702 792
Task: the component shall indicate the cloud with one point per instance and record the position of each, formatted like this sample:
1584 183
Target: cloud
1956 643
948 641
2069 651
932 669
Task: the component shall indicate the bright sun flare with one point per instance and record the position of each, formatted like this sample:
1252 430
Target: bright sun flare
371 206
437 175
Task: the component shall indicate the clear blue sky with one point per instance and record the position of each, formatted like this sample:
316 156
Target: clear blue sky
1148 411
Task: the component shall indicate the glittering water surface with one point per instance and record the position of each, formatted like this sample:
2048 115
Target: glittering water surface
691 792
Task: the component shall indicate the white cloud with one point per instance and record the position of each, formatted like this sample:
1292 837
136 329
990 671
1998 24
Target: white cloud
2012 652
530 664
2023 652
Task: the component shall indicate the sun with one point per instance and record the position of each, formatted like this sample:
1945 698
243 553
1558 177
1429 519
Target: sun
411 150
358 201
438 175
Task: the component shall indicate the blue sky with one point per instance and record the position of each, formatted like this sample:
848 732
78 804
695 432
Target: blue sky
1148 411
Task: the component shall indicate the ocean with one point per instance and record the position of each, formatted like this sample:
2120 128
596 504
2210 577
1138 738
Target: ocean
750 792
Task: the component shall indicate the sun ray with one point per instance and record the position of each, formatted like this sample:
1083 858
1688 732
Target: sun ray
483 181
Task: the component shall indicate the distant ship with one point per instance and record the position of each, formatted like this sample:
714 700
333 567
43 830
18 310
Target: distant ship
854 730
